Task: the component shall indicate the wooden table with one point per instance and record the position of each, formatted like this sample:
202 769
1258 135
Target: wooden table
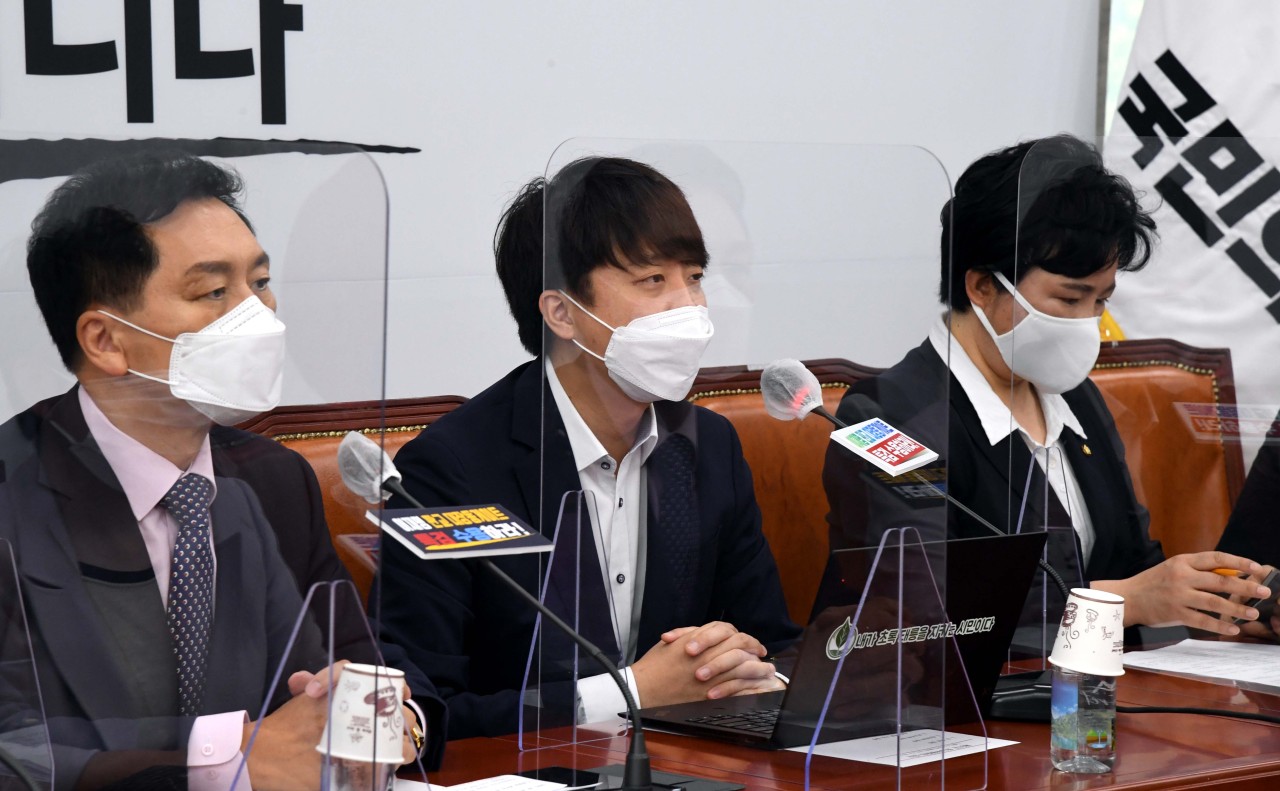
1154 751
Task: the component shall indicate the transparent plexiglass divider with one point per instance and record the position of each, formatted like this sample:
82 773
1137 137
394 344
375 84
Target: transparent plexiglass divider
823 253
550 703
1045 305
887 654
181 597
1212 289
28 759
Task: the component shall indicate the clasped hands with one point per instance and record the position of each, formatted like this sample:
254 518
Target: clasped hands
284 755
713 661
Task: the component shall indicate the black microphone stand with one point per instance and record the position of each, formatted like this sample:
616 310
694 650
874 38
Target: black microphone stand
636 775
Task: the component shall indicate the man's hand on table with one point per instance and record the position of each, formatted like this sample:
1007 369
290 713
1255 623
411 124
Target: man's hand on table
696 662
284 755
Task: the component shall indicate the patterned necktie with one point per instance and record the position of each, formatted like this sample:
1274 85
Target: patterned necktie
190 614
675 534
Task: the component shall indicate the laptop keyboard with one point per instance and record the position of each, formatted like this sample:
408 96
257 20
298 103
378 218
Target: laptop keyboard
759 721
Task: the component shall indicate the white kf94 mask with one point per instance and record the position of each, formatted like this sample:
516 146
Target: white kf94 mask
232 369
1052 353
655 357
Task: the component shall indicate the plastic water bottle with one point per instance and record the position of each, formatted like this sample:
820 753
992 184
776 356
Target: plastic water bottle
1083 737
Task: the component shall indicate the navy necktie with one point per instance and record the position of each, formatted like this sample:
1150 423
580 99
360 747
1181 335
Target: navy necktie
190 612
674 535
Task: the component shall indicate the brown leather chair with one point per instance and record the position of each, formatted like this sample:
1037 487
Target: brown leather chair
315 431
786 467
1190 486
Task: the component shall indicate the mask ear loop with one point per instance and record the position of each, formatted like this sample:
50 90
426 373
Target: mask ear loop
578 304
144 331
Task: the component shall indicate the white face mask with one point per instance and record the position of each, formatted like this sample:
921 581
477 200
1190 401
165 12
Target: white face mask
655 357
1052 353
232 369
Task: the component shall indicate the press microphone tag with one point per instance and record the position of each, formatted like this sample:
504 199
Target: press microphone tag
459 531
884 446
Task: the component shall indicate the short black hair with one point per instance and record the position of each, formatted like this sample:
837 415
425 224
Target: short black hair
1045 203
89 243
600 211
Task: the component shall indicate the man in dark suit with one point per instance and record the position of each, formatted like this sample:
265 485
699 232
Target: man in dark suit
1031 244
673 560
158 604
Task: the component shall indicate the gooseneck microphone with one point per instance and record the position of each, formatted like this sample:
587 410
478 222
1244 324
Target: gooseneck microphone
791 392
368 471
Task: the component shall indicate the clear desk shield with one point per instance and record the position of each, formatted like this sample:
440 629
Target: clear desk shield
671 274
164 274
1199 426
27 760
1147 456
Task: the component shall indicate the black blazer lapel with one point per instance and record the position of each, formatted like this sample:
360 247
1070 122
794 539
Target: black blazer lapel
69 484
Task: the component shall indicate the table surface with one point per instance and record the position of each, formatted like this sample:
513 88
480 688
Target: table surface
1154 751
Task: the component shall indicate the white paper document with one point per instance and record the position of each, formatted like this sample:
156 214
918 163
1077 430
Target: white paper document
503 783
918 747
1251 663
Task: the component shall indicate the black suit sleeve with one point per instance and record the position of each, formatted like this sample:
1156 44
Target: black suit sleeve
1253 531
747 588
428 608
1140 551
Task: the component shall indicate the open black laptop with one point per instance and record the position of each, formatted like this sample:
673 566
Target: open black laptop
987 580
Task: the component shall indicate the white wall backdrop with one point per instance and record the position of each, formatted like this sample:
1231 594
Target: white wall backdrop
487 90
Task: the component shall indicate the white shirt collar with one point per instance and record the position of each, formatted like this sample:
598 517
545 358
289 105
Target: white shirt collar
997 421
587 450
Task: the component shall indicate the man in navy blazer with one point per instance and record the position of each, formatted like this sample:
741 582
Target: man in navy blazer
676 578
158 604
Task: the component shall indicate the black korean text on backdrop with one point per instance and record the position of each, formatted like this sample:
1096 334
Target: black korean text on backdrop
275 18
1223 158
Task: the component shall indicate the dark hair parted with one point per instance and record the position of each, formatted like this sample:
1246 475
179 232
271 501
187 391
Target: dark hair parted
596 211
1045 203
89 242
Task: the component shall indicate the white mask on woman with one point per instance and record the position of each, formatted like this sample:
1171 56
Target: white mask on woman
655 357
232 369
1052 353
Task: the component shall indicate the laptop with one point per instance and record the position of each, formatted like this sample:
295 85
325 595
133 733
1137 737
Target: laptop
987 580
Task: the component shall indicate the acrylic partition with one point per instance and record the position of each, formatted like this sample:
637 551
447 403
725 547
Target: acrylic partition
1181 398
667 267
26 757
1206 462
191 286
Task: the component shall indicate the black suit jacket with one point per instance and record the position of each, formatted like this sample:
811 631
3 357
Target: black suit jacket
276 482
920 397
470 635
65 489
1253 530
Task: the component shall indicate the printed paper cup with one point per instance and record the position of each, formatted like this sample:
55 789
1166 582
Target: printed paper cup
367 721
1091 636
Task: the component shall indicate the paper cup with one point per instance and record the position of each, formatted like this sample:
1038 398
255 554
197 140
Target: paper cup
1091 636
366 721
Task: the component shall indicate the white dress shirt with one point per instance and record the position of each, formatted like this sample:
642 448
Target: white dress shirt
998 422
617 503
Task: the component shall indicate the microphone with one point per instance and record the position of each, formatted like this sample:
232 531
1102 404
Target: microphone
791 392
366 468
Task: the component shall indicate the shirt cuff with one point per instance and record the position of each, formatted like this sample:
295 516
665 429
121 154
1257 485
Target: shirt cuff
600 700
213 753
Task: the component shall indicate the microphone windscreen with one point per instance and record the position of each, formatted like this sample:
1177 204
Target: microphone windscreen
364 466
790 390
